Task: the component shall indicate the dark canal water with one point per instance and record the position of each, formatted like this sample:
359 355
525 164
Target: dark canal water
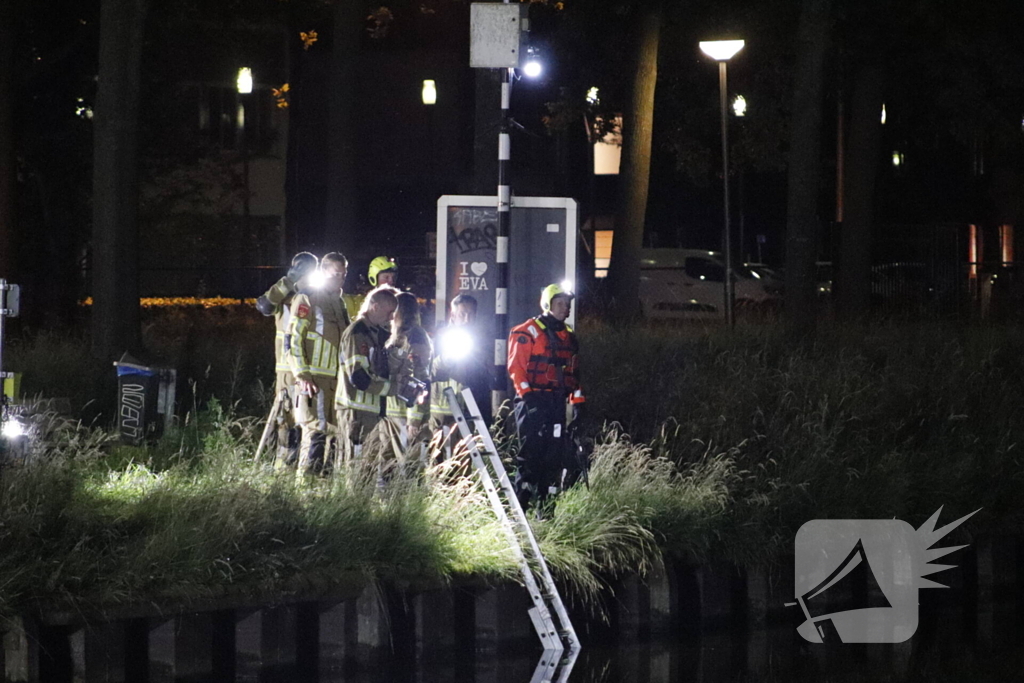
950 645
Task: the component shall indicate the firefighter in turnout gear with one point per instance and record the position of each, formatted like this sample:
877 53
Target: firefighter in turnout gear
365 376
277 302
409 353
318 322
459 363
543 362
382 271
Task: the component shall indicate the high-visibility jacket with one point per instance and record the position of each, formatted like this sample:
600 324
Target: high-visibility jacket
543 355
314 334
364 377
410 357
280 296
353 302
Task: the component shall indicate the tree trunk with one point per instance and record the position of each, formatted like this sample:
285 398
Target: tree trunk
853 289
635 171
804 168
115 232
341 230
7 171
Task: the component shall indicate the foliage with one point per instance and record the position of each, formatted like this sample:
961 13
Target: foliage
738 439
882 421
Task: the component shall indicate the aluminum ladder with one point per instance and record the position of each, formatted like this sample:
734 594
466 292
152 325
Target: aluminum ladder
550 619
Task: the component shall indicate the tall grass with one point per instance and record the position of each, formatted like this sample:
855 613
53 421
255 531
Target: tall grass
75 534
880 421
716 446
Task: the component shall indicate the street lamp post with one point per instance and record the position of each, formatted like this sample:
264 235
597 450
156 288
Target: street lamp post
429 96
722 51
244 86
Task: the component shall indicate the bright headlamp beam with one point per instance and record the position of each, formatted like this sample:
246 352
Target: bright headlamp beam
456 344
13 429
317 279
721 50
533 68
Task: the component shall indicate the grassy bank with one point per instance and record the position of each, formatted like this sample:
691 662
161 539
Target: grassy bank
716 447
87 524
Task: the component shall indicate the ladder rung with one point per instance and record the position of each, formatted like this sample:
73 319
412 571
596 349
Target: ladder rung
541 587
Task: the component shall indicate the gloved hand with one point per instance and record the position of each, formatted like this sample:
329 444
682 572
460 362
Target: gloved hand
531 399
296 272
264 306
579 410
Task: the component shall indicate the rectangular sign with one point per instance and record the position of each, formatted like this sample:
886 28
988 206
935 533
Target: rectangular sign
467 230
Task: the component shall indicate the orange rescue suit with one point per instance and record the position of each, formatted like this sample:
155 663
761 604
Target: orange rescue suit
543 358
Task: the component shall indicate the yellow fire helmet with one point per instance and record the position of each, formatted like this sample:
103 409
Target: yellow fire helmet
551 291
378 266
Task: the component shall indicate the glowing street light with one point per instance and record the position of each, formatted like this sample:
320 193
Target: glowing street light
244 81
739 106
532 68
722 51
244 86
429 92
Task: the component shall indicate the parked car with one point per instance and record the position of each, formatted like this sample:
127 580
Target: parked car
689 283
773 278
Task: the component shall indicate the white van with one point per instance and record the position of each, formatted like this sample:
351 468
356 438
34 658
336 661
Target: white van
689 283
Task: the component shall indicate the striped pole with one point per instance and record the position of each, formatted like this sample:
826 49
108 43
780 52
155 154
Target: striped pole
504 222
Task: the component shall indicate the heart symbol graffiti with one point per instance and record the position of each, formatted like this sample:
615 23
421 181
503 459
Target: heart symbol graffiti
478 268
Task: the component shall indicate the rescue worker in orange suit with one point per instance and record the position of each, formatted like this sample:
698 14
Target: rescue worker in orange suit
277 302
543 362
318 321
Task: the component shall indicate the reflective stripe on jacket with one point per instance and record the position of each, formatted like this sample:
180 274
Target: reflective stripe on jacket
315 331
541 358
362 347
438 402
280 295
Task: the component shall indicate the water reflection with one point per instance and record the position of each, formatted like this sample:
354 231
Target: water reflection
950 645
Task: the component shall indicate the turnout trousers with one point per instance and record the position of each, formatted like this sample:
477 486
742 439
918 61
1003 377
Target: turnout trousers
354 426
315 415
287 429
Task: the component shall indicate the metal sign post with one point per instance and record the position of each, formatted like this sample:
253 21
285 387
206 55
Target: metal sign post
10 304
10 300
496 42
